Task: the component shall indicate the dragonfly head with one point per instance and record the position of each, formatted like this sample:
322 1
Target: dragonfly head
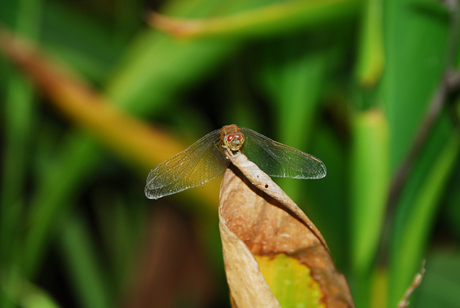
234 141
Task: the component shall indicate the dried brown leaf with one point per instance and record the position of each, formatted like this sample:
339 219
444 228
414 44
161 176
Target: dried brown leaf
256 216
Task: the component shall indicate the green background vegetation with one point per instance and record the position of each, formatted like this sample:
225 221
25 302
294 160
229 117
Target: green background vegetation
351 82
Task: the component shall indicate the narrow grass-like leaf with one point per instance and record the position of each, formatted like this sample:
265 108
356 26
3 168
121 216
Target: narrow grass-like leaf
292 76
274 19
18 127
123 225
135 140
89 47
140 86
410 240
415 43
371 54
329 209
75 99
369 185
85 271
157 66
369 175
78 101
47 205
20 292
378 289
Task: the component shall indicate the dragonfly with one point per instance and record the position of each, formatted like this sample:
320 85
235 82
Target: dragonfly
206 159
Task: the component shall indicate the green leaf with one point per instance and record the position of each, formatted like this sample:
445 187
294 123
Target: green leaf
369 185
292 76
85 270
155 69
416 213
275 19
18 125
21 293
371 55
369 176
415 43
50 204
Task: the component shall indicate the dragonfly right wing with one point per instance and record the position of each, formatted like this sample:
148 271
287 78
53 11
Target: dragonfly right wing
198 164
279 160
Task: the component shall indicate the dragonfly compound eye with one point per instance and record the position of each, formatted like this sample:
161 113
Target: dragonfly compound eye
234 141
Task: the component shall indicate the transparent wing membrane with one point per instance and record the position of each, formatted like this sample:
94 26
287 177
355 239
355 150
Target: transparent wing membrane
198 164
279 160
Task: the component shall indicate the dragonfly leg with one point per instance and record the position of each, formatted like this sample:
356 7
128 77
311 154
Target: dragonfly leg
228 152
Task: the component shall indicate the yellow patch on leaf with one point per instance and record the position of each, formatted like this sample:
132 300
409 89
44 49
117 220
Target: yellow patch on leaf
291 282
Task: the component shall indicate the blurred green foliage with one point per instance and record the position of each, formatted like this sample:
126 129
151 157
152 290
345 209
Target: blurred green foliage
351 82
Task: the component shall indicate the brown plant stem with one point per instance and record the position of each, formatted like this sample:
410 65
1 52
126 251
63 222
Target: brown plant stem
404 302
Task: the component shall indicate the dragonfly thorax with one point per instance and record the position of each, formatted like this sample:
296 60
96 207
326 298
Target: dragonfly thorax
234 141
